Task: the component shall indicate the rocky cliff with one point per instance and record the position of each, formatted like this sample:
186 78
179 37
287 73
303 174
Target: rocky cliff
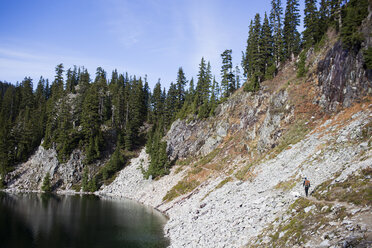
342 75
238 176
30 175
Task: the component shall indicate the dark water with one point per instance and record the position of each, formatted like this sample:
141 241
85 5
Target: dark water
34 220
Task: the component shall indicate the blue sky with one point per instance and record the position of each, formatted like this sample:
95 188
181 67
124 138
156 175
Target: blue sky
141 37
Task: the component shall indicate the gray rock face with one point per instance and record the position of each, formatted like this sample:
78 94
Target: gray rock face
270 130
30 175
240 113
342 75
342 78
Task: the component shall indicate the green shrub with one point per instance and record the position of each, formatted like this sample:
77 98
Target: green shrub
251 86
46 187
209 157
270 72
367 54
301 65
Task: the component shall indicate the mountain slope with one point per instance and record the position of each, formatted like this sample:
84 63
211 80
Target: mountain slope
238 178
238 175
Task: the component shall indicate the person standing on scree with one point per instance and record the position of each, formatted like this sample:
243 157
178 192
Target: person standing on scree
306 184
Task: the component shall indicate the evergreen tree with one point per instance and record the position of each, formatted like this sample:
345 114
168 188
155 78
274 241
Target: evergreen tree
367 55
84 180
181 84
248 56
64 139
355 12
323 17
147 94
254 58
71 80
191 88
214 97
58 85
104 107
39 115
227 76
157 102
46 187
237 78
257 59
335 14
276 24
53 109
115 164
159 164
91 123
311 23
203 84
291 37
114 77
266 50
171 104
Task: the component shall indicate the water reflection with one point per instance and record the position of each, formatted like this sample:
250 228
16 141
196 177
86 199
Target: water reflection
33 220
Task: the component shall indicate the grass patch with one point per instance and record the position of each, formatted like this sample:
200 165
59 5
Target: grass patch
182 187
186 161
295 230
356 189
223 182
220 185
209 157
241 174
318 46
196 170
286 185
367 133
295 134
179 169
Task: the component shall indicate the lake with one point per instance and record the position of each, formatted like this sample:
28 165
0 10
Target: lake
36 220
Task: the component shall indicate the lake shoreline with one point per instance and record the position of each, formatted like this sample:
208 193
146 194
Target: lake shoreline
72 192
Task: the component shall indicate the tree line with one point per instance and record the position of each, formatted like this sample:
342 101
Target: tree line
276 39
99 116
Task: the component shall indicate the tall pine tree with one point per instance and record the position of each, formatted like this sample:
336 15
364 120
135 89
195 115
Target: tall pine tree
227 76
180 85
276 24
266 50
311 23
291 37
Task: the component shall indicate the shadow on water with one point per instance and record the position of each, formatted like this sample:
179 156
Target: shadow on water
34 220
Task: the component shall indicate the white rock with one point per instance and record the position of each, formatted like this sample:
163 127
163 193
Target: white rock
325 243
307 209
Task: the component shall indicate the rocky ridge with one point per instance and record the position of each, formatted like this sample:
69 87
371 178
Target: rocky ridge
233 214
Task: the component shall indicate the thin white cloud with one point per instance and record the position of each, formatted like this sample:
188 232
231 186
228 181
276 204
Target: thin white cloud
17 63
18 54
208 33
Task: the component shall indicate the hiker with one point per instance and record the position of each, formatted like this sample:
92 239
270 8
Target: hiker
306 184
